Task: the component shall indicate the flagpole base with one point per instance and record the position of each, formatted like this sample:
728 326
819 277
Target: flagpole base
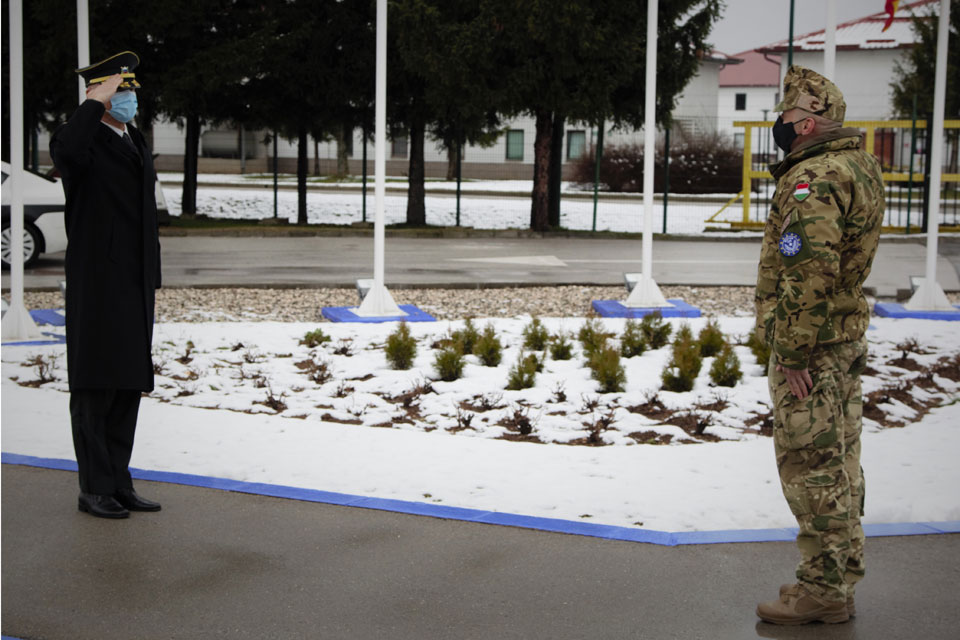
378 302
646 295
929 296
18 325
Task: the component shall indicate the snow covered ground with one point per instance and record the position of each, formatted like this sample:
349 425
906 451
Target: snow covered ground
236 400
342 204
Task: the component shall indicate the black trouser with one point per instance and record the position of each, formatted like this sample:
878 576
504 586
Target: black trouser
104 421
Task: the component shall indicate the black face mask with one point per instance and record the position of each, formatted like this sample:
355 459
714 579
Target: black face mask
784 134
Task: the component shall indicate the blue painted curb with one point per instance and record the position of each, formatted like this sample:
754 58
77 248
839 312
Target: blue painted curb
48 316
894 310
555 525
615 309
348 314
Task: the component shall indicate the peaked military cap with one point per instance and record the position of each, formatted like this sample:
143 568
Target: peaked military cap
808 90
123 63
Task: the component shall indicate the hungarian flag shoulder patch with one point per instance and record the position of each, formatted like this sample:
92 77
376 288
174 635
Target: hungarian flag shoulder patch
802 191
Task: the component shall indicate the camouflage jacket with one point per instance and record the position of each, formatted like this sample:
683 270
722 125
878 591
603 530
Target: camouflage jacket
818 246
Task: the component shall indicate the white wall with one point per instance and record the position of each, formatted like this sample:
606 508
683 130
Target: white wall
864 77
758 99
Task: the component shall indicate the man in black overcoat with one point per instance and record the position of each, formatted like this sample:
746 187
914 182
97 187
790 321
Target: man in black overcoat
112 270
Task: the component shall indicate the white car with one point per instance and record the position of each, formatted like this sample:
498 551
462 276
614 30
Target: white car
43 204
43 229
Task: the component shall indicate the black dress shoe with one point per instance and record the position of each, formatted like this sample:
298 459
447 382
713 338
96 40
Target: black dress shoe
101 506
129 499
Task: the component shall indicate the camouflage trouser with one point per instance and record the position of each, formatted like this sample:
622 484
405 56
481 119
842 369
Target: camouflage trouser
817 442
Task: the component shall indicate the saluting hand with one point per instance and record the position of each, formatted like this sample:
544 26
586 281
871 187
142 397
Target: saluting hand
105 90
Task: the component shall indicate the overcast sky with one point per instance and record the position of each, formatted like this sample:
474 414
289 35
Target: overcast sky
748 24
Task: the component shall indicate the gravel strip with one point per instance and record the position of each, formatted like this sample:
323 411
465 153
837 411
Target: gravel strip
303 305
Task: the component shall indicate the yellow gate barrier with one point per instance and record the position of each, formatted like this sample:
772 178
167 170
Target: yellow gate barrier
869 126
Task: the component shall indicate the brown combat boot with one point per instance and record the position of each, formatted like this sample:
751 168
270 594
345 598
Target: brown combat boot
791 588
799 606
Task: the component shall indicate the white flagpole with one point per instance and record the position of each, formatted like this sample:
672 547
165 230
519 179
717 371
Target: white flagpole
646 293
17 323
929 296
378 302
83 42
830 44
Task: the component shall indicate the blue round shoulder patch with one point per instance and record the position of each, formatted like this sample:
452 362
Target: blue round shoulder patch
790 244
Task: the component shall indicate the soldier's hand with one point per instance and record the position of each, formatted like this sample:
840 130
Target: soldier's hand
799 380
105 90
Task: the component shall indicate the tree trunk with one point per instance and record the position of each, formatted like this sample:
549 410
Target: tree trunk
451 160
556 171
539 220
416 208
343 157
191 152
302 165
316 157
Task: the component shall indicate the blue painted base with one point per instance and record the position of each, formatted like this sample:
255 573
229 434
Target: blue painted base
48 316
894 310
348 314
615 309
610 532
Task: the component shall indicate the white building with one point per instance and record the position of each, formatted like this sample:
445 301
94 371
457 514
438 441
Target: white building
865 57
748 91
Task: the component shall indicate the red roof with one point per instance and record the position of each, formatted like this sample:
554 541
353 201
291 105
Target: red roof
755 71
864 33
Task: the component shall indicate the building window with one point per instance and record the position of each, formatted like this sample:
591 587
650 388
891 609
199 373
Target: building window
576 144
398 147
741 101
515 144
738 140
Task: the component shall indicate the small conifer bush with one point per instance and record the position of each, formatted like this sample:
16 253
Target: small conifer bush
488 347
560 347
523 374
401 348
535 336
607 370
449 364
725 370
655 330
684 365
632 342
314 338
591 336
759 349
711 339
466 337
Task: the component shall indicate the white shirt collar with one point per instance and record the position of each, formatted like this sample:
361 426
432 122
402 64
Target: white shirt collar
119 132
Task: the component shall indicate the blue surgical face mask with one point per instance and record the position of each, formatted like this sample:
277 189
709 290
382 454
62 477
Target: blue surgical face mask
123 106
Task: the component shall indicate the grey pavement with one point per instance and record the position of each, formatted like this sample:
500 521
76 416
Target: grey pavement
215 564
328 261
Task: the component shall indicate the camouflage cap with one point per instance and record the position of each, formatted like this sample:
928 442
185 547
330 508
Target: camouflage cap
808 90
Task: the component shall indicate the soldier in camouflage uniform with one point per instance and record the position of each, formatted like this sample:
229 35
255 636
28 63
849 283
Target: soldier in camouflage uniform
818 246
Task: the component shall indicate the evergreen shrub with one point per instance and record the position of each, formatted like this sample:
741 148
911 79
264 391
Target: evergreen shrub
488 347
632 342
685 362
314 338
711 339
535 336
759 349
466 337
449 364
523 374
725 370
560 347
656 331
606 369
401 348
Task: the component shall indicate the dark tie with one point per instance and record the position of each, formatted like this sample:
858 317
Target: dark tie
129 141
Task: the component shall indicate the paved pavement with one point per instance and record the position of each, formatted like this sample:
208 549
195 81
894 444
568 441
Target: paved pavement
217 564
325 261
